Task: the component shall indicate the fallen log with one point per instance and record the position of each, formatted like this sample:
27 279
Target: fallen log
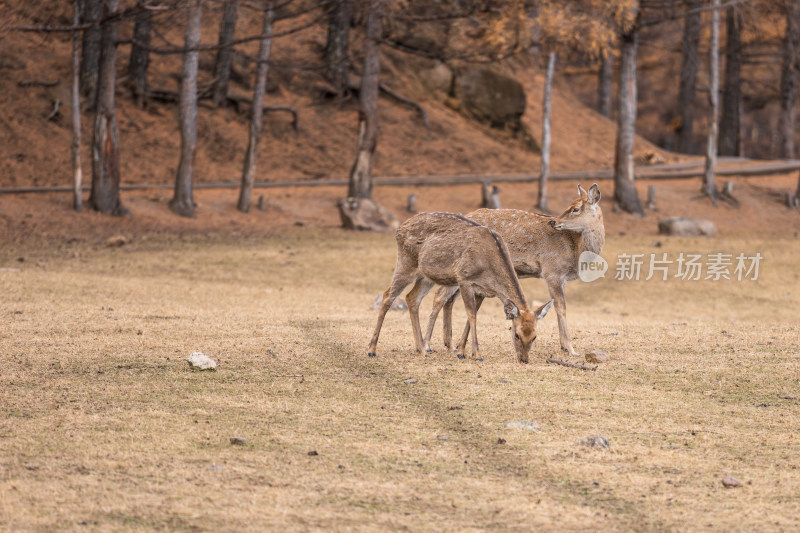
571 365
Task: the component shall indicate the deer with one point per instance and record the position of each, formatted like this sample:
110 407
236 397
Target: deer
450 250
541 246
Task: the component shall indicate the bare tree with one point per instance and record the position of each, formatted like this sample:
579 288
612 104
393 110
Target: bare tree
688 76
224 63
545 172
182 201
604 77
361 173
105 148
791 44
625 194
77 171
729 129
709 188
257 110
336 49
140 55
91 11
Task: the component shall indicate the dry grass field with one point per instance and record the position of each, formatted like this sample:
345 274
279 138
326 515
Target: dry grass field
104 427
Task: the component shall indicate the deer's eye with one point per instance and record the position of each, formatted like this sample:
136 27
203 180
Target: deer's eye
576 210
516 336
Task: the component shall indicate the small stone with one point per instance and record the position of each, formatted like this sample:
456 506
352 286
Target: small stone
594 441
313 453
238 441
787 397
731 482
116 241
522 424
409 381
501 440
597 356
683 226
399 304
200 361
443 437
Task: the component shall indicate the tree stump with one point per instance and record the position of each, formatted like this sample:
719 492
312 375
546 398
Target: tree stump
490 196
364 214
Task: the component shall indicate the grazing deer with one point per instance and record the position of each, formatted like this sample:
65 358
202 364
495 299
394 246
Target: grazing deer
541 247
450 250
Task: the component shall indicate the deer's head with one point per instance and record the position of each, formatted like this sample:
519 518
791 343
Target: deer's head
523 326
582 214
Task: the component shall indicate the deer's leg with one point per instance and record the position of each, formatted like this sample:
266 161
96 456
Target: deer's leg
413 299
462 342
403 275
556 288
447 320
443 297
471 303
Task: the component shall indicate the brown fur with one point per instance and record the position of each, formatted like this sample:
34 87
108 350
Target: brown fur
450 250
542 247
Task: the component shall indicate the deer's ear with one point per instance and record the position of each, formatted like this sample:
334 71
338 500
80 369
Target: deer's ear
581 192
594 194
543 310
512 311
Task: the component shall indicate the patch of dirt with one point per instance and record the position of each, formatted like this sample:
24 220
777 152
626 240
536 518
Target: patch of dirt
35 151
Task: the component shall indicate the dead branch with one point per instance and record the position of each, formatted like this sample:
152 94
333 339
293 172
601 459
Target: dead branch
170 96
54 113
571 365
407 101
37 83
237 100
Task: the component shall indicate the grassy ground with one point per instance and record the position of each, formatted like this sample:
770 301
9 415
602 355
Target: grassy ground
103 425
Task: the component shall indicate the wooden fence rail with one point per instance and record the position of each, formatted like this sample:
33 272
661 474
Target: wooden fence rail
729 167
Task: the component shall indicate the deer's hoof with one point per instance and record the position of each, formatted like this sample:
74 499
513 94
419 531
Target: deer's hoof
372 354
428 351
461 356
479 358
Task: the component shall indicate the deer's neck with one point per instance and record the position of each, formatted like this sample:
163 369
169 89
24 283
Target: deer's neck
592 240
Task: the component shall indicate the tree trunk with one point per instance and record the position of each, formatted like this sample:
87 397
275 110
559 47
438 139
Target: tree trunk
336 49
688 78
182 202
625 193
224 63
545 173
797 192
77 171
791 44
257 111
140 56
90 56
604 86
731 96
361 172
105 149
709 188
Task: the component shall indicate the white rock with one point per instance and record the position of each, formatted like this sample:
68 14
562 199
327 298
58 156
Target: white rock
594 441
200 361
521 424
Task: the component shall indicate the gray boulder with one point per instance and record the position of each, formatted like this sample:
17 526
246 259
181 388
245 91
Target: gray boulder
364 214
686 227
490 96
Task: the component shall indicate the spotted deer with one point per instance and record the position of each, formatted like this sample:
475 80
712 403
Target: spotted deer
541 247
450 250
